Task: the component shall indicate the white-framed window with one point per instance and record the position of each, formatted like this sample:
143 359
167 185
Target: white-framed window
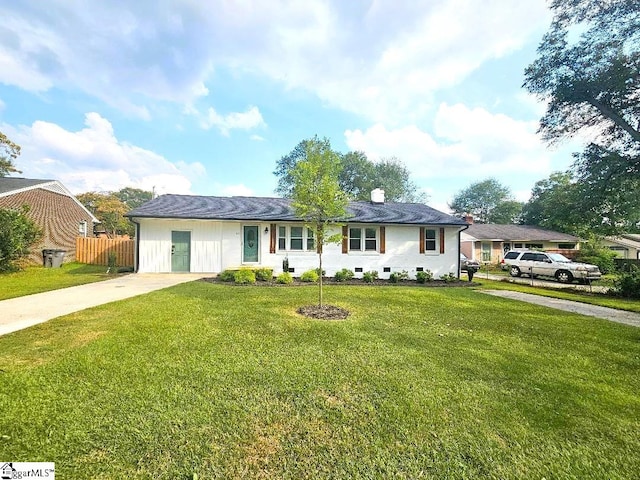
311 240
430 239
363 239
82 228
486 251
296 238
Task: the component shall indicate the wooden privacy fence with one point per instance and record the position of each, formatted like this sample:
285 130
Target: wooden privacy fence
95 251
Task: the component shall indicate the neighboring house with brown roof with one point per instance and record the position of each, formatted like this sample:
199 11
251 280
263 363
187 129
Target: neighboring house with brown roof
54 208
625 245
489 242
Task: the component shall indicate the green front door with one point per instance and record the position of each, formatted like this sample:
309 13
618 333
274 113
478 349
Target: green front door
250 244
180 251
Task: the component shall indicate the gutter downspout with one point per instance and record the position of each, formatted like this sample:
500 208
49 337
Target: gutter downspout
136 252
459 232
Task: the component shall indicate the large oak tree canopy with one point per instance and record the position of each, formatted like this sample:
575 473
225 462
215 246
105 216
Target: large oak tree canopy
588 70
592 81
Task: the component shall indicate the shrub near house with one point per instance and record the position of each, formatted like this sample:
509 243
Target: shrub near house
18 233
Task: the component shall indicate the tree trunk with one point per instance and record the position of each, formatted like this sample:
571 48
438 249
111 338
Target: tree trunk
615 117
320 280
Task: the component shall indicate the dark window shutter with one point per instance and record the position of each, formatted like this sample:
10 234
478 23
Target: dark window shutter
273 240
345 239
441 240
382 240
422 239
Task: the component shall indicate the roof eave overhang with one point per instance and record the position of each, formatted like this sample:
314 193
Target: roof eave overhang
283 219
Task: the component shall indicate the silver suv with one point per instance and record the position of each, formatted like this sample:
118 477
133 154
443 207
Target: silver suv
554 265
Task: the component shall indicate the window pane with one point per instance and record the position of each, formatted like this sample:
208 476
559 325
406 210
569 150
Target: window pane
282 238
370 239
311 243
430 240
355 239
296 238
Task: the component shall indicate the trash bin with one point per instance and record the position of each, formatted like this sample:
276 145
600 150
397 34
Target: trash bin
471 272
52 258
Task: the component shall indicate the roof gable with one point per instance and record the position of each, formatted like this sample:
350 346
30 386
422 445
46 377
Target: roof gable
279 209
14 185
626 240
11 185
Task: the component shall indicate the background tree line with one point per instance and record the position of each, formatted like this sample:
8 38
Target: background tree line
357 174
109 208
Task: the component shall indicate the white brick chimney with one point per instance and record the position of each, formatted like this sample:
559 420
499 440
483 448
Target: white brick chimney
377 195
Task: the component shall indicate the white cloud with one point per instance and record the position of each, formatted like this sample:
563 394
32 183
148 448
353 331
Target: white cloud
239 190
466 143
235 120
387 59
382 59
93 159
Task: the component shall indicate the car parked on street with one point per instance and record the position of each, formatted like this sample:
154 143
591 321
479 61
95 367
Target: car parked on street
466 263
510 255
555 265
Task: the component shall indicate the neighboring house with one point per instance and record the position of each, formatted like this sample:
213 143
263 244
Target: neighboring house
489 242
60 215
182 233
625 246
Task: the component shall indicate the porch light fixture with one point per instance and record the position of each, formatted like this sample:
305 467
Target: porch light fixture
266 230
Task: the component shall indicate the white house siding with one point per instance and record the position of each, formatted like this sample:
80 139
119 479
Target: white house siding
154 255
402 253
217 245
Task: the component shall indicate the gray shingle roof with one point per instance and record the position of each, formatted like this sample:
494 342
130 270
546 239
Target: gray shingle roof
9 184
279 209
490 231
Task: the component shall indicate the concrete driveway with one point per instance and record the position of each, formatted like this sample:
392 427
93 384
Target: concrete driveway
23 312
618 316
595 287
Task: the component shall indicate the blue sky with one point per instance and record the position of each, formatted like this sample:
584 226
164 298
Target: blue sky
204 97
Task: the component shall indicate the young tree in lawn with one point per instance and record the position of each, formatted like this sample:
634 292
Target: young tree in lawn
9 151
316 195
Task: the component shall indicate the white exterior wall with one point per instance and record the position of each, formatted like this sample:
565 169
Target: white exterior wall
154 255
217 245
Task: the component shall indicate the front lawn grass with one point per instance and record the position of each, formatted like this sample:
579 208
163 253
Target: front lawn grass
229 382
601 299
40 279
